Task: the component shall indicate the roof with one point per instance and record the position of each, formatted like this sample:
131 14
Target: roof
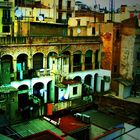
69 124
3 137
35 126
124 82
70 82
44 135
102 120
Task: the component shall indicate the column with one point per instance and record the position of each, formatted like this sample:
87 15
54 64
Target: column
71 62
83 61
45 64
15 69
30 62
45 92
93 61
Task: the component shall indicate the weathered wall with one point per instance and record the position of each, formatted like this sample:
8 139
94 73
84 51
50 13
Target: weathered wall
124 110
126 59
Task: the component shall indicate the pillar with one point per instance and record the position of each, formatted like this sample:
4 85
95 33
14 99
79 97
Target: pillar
83 61
71 62
15 69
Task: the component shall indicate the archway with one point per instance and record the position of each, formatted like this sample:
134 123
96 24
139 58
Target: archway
95 82
38 61
6 69
23 101
78 78
77 61
88 60
22 60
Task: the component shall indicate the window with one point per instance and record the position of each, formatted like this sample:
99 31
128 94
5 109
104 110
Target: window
6 29
138 55
78 22
68 4
74 90
6 14
117 34
93 30
115 68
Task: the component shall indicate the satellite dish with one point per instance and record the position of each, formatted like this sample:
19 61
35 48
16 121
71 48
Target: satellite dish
40 18
18 13
78 30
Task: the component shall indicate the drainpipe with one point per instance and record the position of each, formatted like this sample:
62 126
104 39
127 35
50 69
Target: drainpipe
99 57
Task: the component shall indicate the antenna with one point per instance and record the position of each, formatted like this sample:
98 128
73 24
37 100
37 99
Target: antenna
111 9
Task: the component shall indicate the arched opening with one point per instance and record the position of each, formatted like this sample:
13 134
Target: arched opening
88 60
6 69
38 91
88 79
22 66
86 88
78 78
38 61
23 102
50 61
49 85
96 59
67 53
95 82
77 65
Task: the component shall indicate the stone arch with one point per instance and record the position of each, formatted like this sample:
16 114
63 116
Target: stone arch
7 59
23 60
88 79
23 101
96 59
95 82
38 61
49 59
77 59
78 78
88 59
38 90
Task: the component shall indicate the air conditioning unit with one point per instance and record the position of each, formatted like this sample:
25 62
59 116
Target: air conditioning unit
78 116
86 118
40 72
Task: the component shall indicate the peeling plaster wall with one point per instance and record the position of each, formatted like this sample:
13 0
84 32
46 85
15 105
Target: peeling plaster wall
126 59
107 51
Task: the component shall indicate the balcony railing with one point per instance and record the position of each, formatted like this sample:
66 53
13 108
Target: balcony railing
65 9
88 66
6 4
29 74
77 67
49 39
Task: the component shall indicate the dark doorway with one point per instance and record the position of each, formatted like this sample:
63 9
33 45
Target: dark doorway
23 105
56 94
95 82
49 92
102 85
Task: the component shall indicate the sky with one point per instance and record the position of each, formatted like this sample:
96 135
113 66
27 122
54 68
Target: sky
105 3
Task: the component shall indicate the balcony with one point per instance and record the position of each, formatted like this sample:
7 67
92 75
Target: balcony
5 4
47 40
65 9
7 20
77 67
88 66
